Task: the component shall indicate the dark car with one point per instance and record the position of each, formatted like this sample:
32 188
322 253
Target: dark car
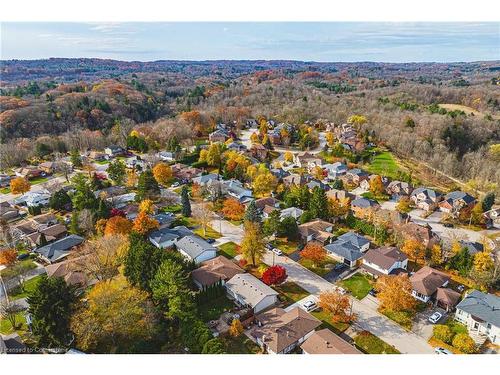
372 292
268 246
339 267
448 225
210 240
23 256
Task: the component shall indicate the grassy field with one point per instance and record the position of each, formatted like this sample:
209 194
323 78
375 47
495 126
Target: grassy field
464 108
291 292
320 269
327 322
229 250
29 286
214 308
373 345
210 232
358 284
284 245
173 209
384 164
6 327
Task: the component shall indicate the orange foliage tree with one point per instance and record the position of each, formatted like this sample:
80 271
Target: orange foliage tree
8 256
162 173
233 209
143 223
117 225
394 293
338 305
19 185
314 252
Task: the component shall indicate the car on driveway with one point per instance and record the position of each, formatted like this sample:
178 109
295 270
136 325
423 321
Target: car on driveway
268 246
340 267
434 318
310 306
448 225
372 293
440 350
210 240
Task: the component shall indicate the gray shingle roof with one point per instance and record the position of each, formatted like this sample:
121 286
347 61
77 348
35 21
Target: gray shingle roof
455 195
169 234
355 239
59 249
193 246
483 306
363 203
345 250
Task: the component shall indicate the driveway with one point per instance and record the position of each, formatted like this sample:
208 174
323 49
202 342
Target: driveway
422 326
300 303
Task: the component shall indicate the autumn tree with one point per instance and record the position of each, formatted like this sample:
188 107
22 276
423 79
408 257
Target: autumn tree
394 293
464 343
233 209
7 257
337 305
146 206
144 223
252 245
414 249
103 256
19 185
443 332
117 225
236 328
264 183
436 254
376 185
357 120
330 138
314 252
483 261
162 172
274 275
131 178
115 317
288 156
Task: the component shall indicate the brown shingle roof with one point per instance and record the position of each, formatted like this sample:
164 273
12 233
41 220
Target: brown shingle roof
327 342
213 270
447 296
385 257
427 280
282 329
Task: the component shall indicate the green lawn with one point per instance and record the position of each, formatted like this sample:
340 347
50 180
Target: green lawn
29 286
38 180
325 317
5 190
210 232
384 164
290 292
381 197
320 269
359 285
229 250
6 327
240 345
403 318
173 209
102 162
214 308
9 271
373 345
284 245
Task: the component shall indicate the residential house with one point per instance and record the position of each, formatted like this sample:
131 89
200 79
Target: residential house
294 179
294 212
280 332
420 233
164 219
236 190
480 312
363 207
167 237
195 248
326 342
49 167
355 239
167 156
71 270
219 269
335 170
268 201
248 291
206 178
346 250
122 201
425 199
251 123
235 146
4 180
355 176
426 281
317 230
8 212
258 151
472 247
110 192
114 151
51 233
492 218
44 220
307 160
59 249
97 156
384 261
339 195
218 135
185 173
315 183
279 173
456 201
398 189
34 198
29 172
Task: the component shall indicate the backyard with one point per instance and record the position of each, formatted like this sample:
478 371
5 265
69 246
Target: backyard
359 285
29 286
288 247
213 309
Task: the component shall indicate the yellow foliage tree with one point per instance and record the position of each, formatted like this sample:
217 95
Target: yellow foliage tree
330 138
376 185
236 328
414 249
143 223
264 184
19 185
117 225
132 178
146 206
288 156
162 173
338 305
436 254
394 293
483 262
233 209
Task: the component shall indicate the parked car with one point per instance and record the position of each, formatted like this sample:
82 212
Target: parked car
372 292
460 288
23 256
440 350
341 290
277 251
175 184
310 306
448 225
434 318
339 267
268 246
210 240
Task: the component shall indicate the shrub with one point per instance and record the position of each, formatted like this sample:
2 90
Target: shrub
464 343
443 333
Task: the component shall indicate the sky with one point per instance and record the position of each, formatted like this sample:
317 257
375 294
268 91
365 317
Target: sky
322 42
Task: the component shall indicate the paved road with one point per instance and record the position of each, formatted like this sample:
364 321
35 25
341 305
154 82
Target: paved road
10 197
367 316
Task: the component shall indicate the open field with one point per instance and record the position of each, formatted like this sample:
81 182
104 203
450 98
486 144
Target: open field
464 108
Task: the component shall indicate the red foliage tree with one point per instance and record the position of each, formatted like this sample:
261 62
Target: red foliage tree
274 275
117 212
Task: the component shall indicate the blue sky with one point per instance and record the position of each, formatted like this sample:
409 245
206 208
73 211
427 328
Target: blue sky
335 41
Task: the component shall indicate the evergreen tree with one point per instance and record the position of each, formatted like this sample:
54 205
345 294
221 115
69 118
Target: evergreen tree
214 346
488 201
103 210
75 158
142 261
272 224
51 304
60 200
318 204
147 187
252 213
74 226
116 171
43 240
84 196
288 228
186 204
